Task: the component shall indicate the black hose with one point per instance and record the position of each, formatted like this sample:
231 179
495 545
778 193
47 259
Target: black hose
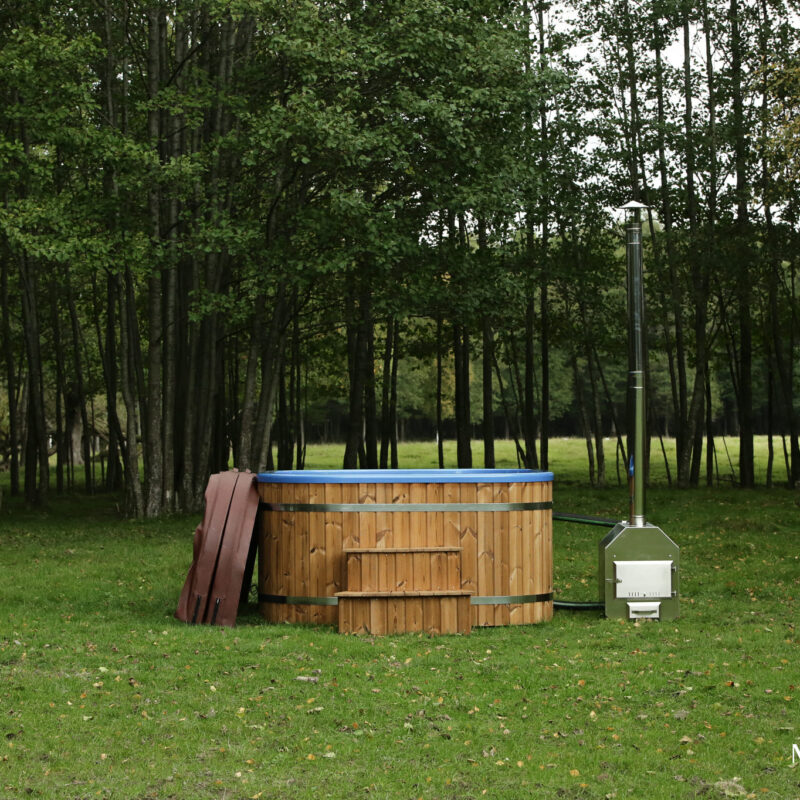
584 519
573 605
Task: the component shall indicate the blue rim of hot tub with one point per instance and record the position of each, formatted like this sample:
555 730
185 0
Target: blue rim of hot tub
406 476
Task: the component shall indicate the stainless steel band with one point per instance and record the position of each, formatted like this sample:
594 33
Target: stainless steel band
283 599
405 507
486 600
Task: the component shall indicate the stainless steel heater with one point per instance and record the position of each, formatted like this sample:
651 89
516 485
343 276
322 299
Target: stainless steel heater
639 564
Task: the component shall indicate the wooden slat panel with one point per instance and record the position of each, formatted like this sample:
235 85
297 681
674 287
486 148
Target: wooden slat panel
528 560
401 521
383 521
468 539
345 493
396 615
453 569
360 615
515 575
500 534
369 572
383 565
432 615
299 582
354 572
351 536
378 609
345 621
449 614
438 571
367 523
434 520
285 553
485 554
418 534
403 570
545 494
464 615
422 578
452 519
317 554
413 614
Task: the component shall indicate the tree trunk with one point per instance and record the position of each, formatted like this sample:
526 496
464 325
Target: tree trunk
586 427
37 464
710 236
461 353
439 420
368 381
393 396
152 421
699 271
386 388
677 356
130 357
355 357
80 391
745 324
529 402
488 409
544 302
62 451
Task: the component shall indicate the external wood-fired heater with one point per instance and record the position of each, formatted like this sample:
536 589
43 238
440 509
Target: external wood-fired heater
639 564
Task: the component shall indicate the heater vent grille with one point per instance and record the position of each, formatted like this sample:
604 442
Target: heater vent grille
640 579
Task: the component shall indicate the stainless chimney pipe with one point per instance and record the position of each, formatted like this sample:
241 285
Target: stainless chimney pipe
636 360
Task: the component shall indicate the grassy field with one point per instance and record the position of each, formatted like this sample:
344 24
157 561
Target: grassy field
104 695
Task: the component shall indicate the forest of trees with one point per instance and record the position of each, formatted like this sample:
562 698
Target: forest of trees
227 226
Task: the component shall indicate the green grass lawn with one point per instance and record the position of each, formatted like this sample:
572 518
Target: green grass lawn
104 695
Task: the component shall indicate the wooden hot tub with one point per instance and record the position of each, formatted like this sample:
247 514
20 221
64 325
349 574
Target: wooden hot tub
483 533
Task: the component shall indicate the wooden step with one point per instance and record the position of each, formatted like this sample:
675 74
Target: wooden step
386 612
391 569
408 593
402 550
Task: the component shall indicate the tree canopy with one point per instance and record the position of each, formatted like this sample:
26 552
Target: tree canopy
229 226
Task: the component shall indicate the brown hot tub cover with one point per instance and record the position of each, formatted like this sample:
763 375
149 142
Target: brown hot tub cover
222 550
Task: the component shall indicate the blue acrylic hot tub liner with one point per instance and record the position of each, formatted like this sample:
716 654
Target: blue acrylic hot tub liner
406 476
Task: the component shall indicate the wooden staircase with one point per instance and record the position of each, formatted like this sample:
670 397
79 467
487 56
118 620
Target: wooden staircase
404 589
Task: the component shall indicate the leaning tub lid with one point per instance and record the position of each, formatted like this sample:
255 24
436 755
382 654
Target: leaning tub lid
406 476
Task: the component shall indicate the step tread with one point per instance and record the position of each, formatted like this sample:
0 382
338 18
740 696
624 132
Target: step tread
409 593
359 550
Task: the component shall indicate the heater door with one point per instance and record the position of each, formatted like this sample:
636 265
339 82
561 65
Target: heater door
643 579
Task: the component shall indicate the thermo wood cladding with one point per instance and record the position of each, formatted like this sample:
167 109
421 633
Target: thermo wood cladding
398 612
497 526
398 569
